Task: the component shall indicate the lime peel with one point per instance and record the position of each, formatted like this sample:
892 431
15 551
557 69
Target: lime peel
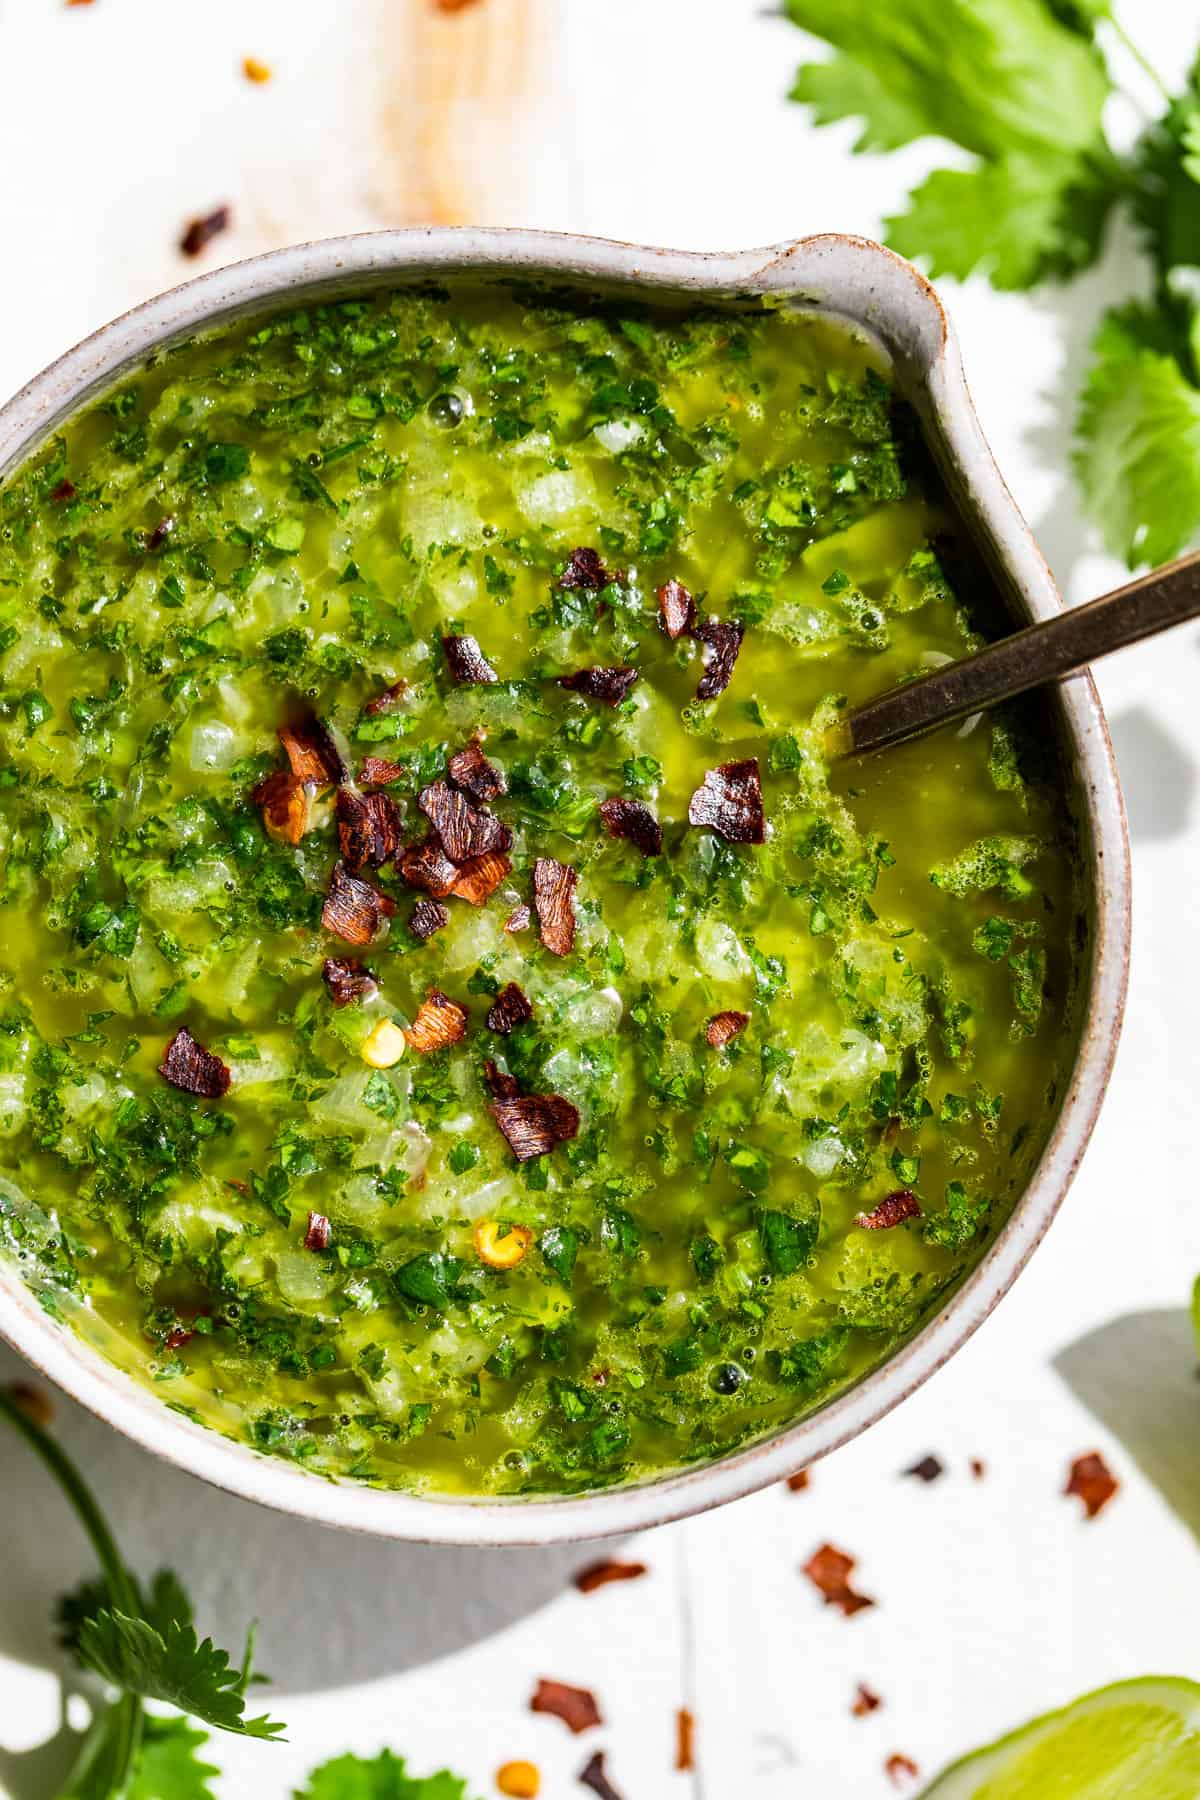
1133 1740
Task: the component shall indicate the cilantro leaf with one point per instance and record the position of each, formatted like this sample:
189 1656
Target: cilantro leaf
168 1767
431 1278
1138 450
999 77
809 1361
76 1608
166 1603
1018 219
171 1665
845 89
957 1224
787 1239
384 1777
1166 172
559 1246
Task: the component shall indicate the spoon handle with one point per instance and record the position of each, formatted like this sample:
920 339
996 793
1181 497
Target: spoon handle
1042 652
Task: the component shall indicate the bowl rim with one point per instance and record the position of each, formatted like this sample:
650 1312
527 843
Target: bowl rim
876 290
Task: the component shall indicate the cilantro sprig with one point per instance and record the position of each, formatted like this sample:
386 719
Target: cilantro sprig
1022 87
142 1642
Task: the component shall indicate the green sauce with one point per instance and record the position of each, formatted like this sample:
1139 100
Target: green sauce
295 514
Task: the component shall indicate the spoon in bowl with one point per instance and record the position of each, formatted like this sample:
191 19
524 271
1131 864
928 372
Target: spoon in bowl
1042 652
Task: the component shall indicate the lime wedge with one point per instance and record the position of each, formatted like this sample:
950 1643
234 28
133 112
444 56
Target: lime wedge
1136 1740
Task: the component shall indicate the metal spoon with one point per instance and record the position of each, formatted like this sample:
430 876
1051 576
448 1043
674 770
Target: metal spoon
1041 652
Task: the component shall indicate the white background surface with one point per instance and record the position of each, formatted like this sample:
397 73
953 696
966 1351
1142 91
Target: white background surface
665 121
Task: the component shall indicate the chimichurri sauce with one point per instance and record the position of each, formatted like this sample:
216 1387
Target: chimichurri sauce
445 1073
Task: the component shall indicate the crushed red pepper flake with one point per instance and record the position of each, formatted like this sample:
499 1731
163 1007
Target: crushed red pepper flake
610 685
34 1402
585 569
384 702
453 6
593 1775
1092 1481
353 909
978 1468
676 608
466 662
519 919
348 980
730 802
192 1069
286 805
426 866
685 1740
369 829
892 1210
465 830
865 1701
201 231
426 917
900 1770
575 1706
554 902
161 532
599 1574
319 1232
723 1027
534 1123
629 819
510 1008
311 751
929 1468
797 1483
440 1021
377 771
66 490
477 880
177 1337
829 1570
499 1082
470 770
722 639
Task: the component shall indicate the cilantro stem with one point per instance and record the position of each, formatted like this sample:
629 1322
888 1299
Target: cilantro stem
121 1589
1139 57
120 1583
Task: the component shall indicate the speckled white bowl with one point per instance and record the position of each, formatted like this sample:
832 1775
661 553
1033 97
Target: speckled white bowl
874 289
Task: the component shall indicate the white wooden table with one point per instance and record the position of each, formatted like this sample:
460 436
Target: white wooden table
659 120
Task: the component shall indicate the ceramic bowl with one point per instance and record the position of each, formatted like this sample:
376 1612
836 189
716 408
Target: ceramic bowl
885 296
